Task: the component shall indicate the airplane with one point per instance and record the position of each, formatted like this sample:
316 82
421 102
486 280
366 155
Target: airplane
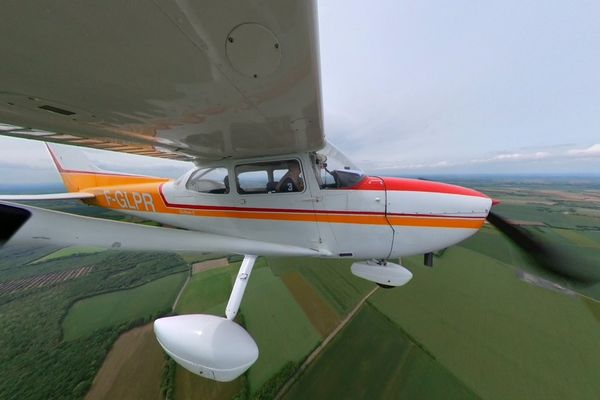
234 87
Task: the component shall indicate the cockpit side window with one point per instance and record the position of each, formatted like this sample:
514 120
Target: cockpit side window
283 176
213 180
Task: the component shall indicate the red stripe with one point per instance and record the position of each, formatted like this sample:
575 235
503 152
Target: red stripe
417 185
293 210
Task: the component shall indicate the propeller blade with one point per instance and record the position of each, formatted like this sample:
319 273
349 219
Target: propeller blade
545 257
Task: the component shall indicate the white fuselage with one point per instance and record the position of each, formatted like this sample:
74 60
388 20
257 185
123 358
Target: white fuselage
376 218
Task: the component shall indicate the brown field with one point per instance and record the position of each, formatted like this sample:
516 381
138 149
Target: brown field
132 369
189 386
209 264
586 196
527 202
38 281
577 238
319 313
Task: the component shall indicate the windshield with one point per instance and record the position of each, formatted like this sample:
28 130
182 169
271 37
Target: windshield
335 170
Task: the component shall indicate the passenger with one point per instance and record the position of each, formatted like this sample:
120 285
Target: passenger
291 181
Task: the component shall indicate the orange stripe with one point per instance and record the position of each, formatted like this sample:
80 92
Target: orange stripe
360 219
437 222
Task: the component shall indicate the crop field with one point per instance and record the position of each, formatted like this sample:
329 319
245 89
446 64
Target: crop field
382 364
492 243
331 278
43 280
278 325
205 290
578 238
489 328
12 255
132 369
69 251
21 267
209 264
97 312
320 314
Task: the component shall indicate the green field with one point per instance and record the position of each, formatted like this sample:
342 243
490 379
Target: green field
503 338
331 278
492 243
557 216
105 310
371 359
278 325
69 251
204 291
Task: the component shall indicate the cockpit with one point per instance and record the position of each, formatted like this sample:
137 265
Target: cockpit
334 169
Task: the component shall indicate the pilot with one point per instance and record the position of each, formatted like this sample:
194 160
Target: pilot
291 181
226 183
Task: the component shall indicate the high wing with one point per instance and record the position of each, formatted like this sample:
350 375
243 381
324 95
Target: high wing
180 79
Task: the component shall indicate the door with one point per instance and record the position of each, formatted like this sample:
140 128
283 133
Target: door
275 203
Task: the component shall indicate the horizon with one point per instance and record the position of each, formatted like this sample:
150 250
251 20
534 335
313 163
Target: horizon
56 185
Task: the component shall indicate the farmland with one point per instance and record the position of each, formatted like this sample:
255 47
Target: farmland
475 326
206 290
382 364
31 319
43 280
279 326
331 279
132 369
116 307
69 251
475 313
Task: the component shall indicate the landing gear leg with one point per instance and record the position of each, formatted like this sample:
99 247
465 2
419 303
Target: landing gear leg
239 287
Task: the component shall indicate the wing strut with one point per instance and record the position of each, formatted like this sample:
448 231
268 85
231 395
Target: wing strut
239 287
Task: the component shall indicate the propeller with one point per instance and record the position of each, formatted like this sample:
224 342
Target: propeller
547 258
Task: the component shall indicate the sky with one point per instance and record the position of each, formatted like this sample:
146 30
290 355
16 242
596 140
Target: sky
430 87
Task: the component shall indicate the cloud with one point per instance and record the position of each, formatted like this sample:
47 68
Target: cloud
538 155
592 151
555 158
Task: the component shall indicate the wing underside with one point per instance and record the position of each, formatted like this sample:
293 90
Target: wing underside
177 79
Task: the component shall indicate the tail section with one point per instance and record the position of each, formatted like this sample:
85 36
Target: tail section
79 173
